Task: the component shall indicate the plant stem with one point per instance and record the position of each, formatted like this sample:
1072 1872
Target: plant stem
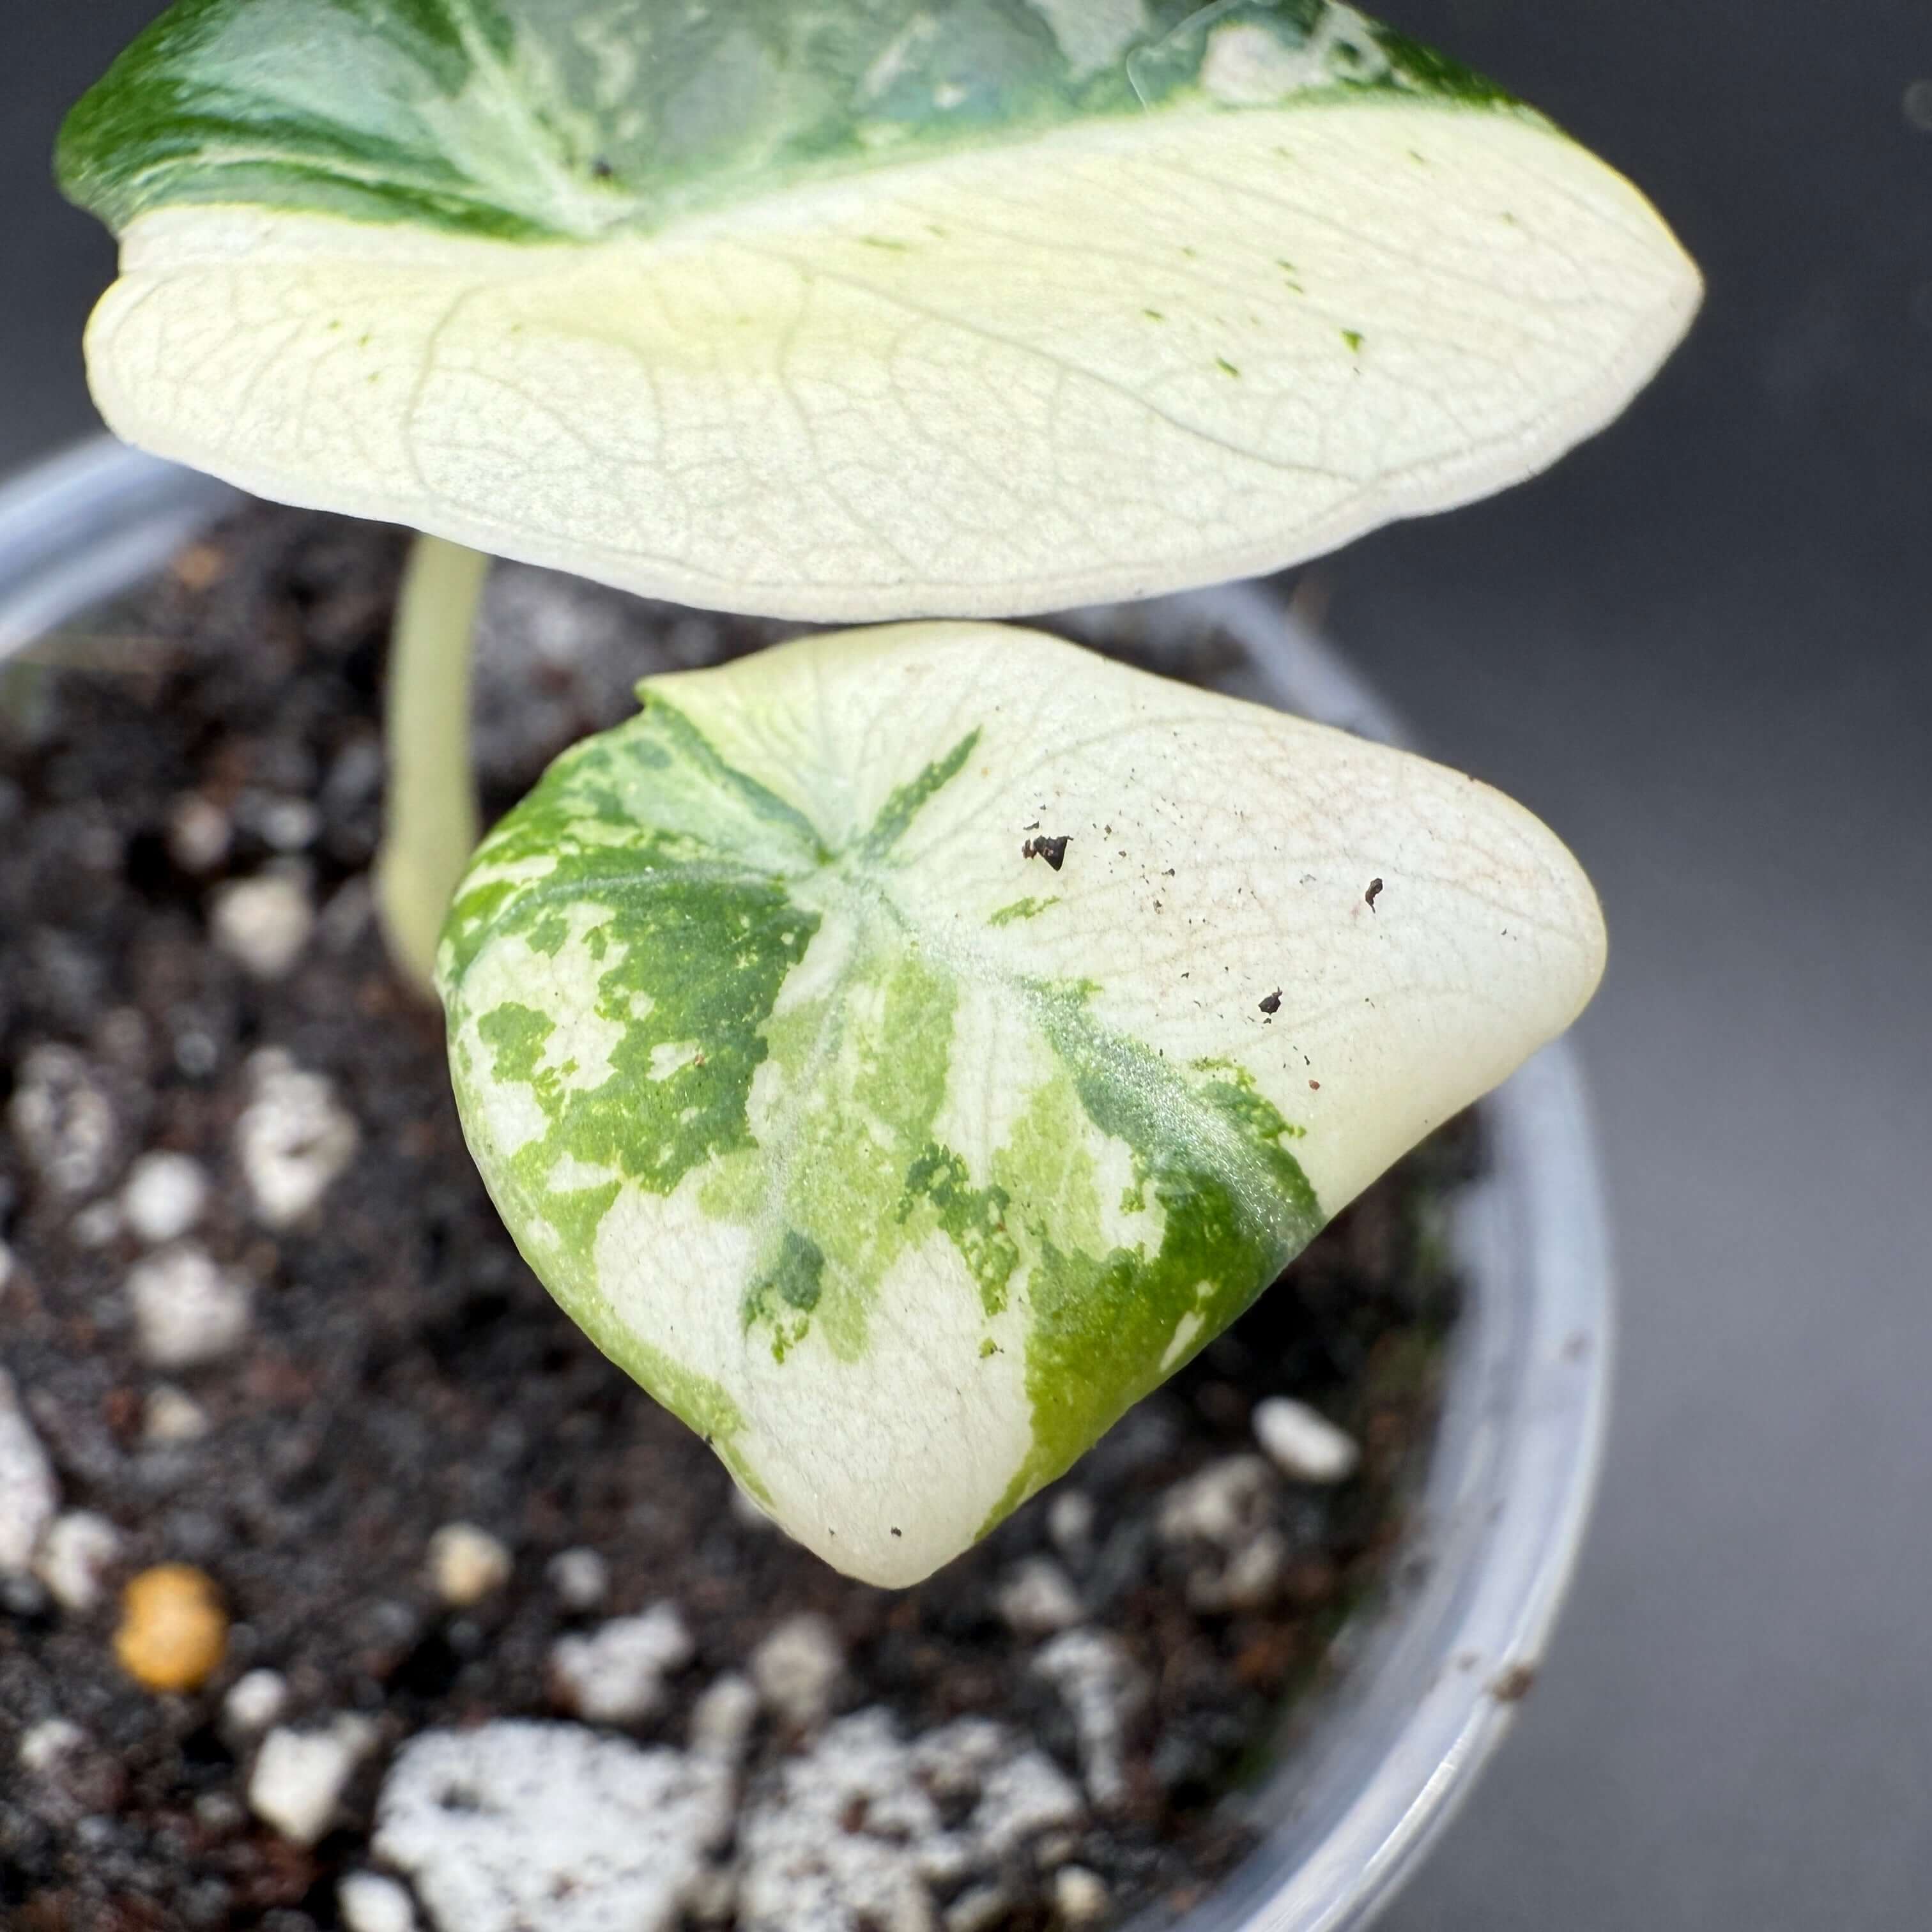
432 824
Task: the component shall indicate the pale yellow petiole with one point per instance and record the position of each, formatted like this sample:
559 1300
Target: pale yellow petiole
431 822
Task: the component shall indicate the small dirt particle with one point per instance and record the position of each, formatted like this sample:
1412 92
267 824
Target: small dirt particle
1271 1004
1374 892
1514 1684
201 566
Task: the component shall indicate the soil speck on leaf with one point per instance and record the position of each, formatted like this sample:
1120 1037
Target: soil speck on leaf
1373 893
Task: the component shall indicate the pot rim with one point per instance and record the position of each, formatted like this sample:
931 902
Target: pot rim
1373 1768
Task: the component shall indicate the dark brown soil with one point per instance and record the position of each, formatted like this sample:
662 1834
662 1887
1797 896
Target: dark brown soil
404 1369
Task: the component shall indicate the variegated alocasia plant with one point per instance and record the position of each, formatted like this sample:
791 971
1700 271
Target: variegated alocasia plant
898 1162
894 1143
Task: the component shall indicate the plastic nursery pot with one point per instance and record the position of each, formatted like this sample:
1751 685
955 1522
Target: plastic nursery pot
1368 1771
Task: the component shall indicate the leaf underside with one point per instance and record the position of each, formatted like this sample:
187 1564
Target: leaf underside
855 311
899 1163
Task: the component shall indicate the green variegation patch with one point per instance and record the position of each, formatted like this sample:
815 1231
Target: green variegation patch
900 1179
855 307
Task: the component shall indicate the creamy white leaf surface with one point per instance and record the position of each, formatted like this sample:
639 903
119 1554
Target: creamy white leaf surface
856 311
899 1159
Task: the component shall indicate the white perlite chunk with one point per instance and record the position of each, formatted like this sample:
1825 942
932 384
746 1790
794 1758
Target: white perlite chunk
169 1415
580 1578
516 1825
1069 1521
796 1669
77 1555
370 1903
288 824
978 1908
63 1120
1303 1445
263 924
842 1839
300 1776
164 1195
1021 1798
1103 1688
1079 1896
199 833
1224 1504
466 1565
1246 1580
173 1416
186 1310
615 1676
294 1138
28 1496
254 1702
952 1762
48 1745
850 1834
1037 1598
721 1720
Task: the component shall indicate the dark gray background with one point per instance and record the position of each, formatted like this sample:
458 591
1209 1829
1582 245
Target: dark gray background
1702 650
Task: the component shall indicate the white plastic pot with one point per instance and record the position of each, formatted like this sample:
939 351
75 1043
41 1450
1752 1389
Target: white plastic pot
1370 1771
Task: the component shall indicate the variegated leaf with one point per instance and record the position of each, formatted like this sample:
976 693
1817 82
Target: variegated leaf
855 308
898 1159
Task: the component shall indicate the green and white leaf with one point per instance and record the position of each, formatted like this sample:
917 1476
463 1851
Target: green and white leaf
857 308
898 1163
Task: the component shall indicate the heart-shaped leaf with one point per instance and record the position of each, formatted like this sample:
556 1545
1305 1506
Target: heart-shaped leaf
878 308
903 1050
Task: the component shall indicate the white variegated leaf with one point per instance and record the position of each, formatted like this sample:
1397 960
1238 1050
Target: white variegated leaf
850 309
897 1160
